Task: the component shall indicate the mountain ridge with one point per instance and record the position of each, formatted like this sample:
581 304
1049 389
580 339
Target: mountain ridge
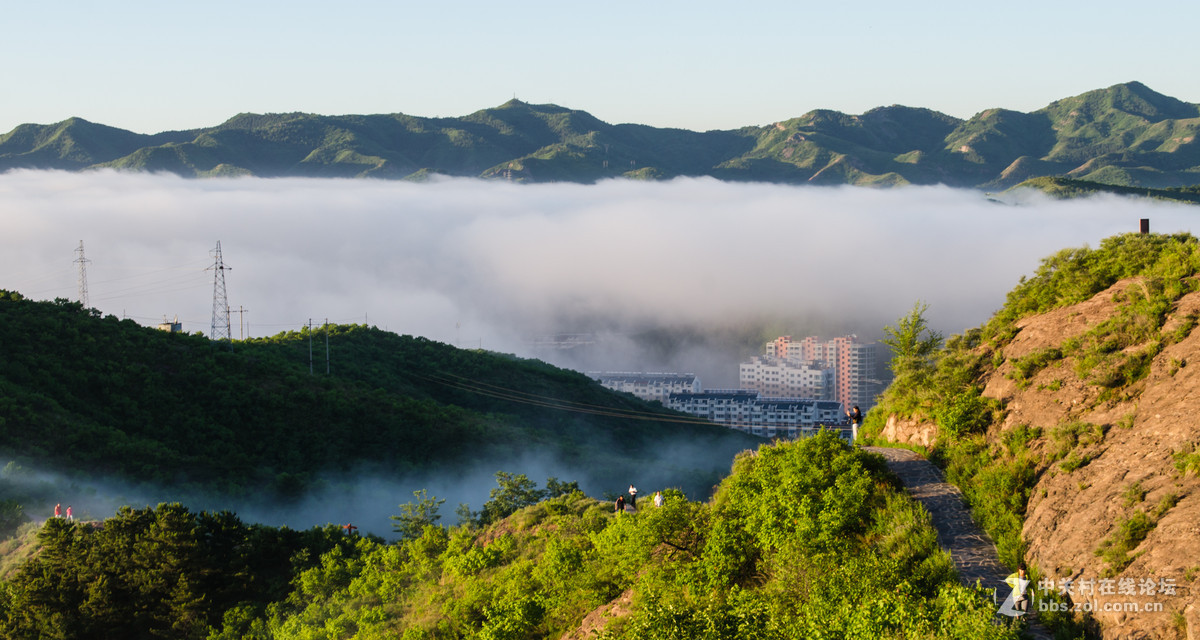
1126 134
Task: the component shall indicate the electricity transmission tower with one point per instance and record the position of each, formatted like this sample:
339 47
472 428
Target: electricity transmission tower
220 315
82 262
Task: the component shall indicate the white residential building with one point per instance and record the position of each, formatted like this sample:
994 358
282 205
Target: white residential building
648 386
774 376
769 417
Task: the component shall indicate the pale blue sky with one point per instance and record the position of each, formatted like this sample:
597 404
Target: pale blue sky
151 66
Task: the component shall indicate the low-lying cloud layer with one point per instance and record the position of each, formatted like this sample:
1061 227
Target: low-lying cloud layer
495 264
492 263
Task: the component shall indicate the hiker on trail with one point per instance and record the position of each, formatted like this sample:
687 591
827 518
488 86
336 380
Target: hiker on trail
58 510
658 499
855 422
69 516
1019 583
620 504
633 496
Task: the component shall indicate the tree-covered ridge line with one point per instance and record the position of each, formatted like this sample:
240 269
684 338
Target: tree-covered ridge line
90 395
1126 134
1065 188
807 539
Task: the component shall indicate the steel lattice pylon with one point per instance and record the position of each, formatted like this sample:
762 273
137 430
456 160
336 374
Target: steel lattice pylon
83 289
220 314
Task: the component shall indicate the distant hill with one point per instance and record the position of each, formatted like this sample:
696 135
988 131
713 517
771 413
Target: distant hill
1065 188
95 396
1126 135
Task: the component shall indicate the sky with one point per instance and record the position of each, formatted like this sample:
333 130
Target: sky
151 66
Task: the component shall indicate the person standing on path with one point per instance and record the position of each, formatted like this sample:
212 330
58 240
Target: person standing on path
620 504
58 510
855 422
70 518
633 496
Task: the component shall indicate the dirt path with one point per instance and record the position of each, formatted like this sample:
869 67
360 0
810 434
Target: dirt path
972 549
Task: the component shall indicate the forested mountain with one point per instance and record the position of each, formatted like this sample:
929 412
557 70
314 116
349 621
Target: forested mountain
1126 134
95 396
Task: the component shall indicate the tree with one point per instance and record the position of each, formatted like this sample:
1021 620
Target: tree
515 492
556 487
913 343
415 516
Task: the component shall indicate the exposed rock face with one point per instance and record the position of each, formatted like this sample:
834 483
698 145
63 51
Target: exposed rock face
1122 472
910 431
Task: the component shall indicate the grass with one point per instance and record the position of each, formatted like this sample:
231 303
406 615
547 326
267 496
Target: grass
1116 548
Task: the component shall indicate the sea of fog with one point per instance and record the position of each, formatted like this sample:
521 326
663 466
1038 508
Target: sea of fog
498 265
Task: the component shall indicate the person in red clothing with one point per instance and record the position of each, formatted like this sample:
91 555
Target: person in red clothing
69 516
58 510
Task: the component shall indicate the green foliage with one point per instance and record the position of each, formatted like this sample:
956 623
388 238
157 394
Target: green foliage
1025 368
803 539
1187 460
1164 261
1018 439
415 516
90 395
963 413
1132 494
913 343
1130 532
12 514
514 492
1064 188
162 572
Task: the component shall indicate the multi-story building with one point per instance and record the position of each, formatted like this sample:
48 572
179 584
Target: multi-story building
852 362
855 366
769 417
648 386
773 376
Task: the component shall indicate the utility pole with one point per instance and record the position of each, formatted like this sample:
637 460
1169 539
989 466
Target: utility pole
326 346
242 325
310 366
220 314
82 262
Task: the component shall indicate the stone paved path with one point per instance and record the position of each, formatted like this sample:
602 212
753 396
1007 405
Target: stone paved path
972 549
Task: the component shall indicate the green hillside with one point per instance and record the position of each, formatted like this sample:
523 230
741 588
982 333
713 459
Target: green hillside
809 539
93 396
1125 135
1065 188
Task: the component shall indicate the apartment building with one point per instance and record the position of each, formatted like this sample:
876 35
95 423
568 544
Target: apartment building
773 376
851 361
648 386
769 417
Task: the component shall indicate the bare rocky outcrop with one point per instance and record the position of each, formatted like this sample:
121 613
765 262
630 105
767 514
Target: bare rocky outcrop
904 431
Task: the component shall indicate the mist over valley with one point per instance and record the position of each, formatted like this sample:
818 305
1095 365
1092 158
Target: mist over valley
685 275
